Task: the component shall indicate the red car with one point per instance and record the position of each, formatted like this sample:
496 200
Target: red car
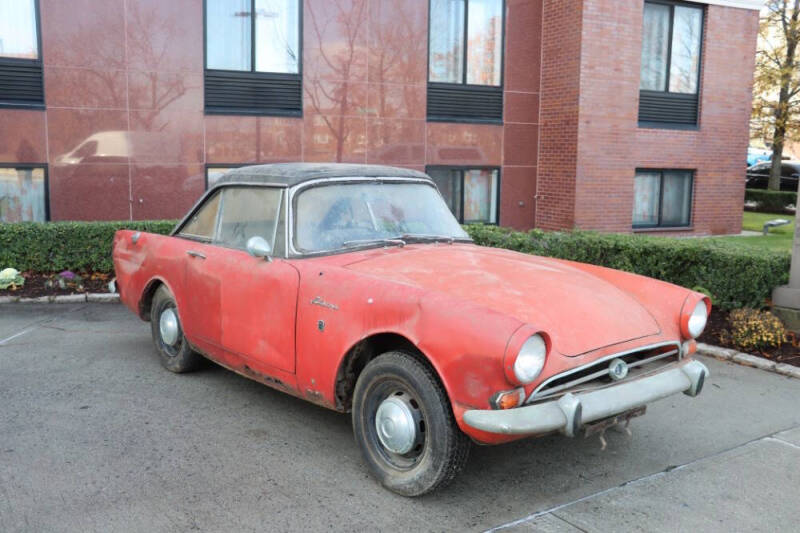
353 287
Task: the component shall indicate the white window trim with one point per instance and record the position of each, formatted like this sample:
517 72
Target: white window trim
743 4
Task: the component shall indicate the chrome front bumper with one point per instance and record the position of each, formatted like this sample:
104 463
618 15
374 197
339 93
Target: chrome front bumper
571 411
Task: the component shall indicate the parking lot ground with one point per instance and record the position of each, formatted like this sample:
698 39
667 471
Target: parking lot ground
95 436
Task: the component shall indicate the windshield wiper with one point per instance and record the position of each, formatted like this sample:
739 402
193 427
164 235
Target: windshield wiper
422 237
366 242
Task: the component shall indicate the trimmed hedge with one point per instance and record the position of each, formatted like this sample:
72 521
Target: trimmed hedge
56 246
770 201
733 276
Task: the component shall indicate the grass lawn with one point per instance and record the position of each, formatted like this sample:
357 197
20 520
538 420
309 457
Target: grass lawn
779 239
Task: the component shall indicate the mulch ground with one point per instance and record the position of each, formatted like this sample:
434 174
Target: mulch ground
788 352
35 286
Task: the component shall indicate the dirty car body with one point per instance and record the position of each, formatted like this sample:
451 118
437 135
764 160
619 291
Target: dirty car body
352 286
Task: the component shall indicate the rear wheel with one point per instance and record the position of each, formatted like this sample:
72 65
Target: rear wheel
404 426
171 345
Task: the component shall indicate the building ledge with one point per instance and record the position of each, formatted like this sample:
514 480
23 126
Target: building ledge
663 230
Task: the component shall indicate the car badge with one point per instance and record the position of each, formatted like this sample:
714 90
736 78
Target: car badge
618 369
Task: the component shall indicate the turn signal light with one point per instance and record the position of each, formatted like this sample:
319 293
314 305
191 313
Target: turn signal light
508 399
688 348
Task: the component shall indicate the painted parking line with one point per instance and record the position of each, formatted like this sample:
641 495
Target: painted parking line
20 334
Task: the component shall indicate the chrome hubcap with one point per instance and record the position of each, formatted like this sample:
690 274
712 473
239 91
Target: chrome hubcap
168 326
396 425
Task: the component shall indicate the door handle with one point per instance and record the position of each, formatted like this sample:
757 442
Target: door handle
195 254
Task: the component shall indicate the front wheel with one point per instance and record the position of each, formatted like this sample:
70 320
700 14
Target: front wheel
404 426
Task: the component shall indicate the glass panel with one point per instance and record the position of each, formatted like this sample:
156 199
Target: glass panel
675 207
22 195
687 34
228 34
485 42
214 174
277 36
202 223
480 196
333 217
447 41
18 29
449 184
655 43
248 212
646 190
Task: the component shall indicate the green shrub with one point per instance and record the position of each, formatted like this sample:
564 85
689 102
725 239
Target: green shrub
56 246
770 201
733 276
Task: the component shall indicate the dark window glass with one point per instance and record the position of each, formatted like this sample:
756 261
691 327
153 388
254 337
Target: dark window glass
203 223
671 40
22 195
472 25
248 212
662 198
471 194
18 33
229 30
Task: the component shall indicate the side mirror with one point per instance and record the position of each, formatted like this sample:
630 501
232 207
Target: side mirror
258 247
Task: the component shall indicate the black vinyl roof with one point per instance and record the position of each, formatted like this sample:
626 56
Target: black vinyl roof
293 173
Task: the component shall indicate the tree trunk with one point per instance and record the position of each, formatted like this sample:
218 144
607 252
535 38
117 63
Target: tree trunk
782 109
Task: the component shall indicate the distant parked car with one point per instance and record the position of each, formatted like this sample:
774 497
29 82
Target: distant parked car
757 155
758 175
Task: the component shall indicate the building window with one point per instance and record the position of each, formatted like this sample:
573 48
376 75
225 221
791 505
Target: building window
472 194
215 172
465 60
662 198
23 194
670 73
253 57
20 60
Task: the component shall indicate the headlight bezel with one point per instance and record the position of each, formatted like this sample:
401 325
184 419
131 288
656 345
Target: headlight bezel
516 348
695 311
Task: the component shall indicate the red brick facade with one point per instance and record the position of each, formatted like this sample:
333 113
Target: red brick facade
567 149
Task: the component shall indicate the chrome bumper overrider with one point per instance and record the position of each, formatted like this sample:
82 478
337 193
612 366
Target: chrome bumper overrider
571 411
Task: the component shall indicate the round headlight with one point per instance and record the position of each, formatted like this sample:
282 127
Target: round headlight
697 320
530 360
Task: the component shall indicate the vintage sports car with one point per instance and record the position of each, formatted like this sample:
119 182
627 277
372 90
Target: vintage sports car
352 286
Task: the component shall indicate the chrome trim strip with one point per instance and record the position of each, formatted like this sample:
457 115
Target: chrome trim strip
677 345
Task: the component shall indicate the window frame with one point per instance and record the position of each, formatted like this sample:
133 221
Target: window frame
463 169
44 167
469 92
234 76
33 64
659 225
666 95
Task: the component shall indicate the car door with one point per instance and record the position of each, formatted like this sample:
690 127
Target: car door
259 295
789 173
200 304
758 175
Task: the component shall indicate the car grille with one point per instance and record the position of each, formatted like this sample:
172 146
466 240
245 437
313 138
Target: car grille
595 375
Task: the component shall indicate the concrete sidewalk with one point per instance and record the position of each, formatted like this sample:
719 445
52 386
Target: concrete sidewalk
96 436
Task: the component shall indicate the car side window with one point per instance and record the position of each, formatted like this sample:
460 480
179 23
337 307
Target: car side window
203 223
249 212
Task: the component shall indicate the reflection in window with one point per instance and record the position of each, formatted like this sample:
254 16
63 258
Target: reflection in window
18 35
248 212
229 29
674 69
474 25
662 198
22 195
471 194
202 224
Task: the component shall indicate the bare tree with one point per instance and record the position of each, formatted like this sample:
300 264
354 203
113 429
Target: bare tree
777 79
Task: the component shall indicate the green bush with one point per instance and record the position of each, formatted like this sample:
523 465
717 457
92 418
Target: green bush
770 201
733 276
56 246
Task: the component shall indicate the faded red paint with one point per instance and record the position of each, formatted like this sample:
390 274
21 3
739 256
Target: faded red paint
290 323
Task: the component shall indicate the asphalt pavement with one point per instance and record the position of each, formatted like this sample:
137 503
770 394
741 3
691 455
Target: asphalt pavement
96 436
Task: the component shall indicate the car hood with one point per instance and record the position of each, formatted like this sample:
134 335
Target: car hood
579 311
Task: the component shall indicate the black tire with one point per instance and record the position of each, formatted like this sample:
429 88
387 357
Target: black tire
441 448
178 357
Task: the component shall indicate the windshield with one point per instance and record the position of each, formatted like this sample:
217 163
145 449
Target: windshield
346 215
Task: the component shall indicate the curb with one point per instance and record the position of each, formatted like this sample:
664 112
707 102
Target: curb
726 354
102 297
